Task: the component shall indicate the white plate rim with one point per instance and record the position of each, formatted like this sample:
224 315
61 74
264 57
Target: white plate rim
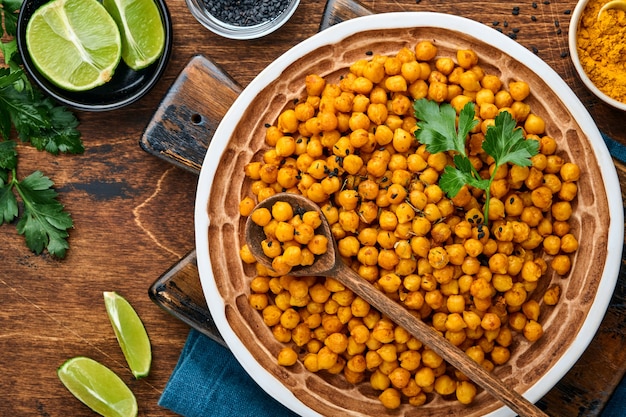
264 379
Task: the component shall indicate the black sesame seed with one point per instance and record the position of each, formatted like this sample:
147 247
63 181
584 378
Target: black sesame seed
533 18
515 30
568 11
268 125
369 53
513 35
481 235
495 23
546 2
556 23
564 54
515 12
245 12
505 24
499 30
534 5
535 50
559 31
511 200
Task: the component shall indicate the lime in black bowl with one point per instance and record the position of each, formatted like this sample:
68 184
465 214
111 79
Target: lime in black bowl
127 85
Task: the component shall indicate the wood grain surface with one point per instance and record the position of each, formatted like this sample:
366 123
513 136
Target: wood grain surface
133 215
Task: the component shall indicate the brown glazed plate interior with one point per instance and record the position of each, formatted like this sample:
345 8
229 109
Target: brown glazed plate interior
598 219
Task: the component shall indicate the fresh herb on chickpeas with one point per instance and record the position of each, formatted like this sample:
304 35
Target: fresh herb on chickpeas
469 269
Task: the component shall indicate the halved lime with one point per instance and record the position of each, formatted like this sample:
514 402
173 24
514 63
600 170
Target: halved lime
130 332
143 34
74 43
98 387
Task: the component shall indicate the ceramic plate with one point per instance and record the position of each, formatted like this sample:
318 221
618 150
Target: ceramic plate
597 221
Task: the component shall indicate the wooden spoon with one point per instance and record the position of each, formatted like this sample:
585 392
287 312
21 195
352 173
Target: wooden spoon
331 265
615 4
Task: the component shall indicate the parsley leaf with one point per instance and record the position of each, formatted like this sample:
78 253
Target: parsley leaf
504 142
437 126
8 203
44 222
11 7
8 155
454 178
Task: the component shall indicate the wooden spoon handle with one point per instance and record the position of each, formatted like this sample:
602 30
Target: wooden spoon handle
430 337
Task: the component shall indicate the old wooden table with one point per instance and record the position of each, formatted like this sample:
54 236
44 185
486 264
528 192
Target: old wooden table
133 220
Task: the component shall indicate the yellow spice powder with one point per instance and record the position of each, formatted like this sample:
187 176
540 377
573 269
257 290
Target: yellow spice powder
601 45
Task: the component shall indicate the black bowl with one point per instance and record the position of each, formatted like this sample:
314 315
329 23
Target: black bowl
126 86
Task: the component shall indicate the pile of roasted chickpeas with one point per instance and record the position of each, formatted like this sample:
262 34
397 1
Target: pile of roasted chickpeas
350 147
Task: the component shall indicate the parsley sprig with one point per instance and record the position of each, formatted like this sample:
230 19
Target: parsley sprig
504 142
41 218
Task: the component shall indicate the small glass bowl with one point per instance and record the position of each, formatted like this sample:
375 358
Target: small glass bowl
219 27
573 30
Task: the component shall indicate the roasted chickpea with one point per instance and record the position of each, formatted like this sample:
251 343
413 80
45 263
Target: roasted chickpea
533 331
534 124
561 264
425 51
519 90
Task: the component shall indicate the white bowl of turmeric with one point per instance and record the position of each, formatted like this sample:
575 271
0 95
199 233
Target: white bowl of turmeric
597 42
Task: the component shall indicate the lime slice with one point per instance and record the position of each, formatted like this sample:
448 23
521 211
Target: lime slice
74 43
98 387
141 27
130 333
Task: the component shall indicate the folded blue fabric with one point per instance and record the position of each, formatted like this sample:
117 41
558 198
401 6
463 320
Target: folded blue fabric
616 407
209 382
616 149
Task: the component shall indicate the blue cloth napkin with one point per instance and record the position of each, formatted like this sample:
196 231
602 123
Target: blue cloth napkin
616 149
209 382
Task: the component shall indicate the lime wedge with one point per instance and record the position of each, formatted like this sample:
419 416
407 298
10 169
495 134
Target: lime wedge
141 27
98 387
130 333
74 43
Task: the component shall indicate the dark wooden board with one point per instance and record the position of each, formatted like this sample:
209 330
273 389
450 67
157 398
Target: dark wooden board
173 136
184 123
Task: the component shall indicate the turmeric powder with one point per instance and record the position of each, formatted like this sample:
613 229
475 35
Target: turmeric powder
601 46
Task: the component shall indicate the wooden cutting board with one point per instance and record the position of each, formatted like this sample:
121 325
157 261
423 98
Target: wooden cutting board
180 133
